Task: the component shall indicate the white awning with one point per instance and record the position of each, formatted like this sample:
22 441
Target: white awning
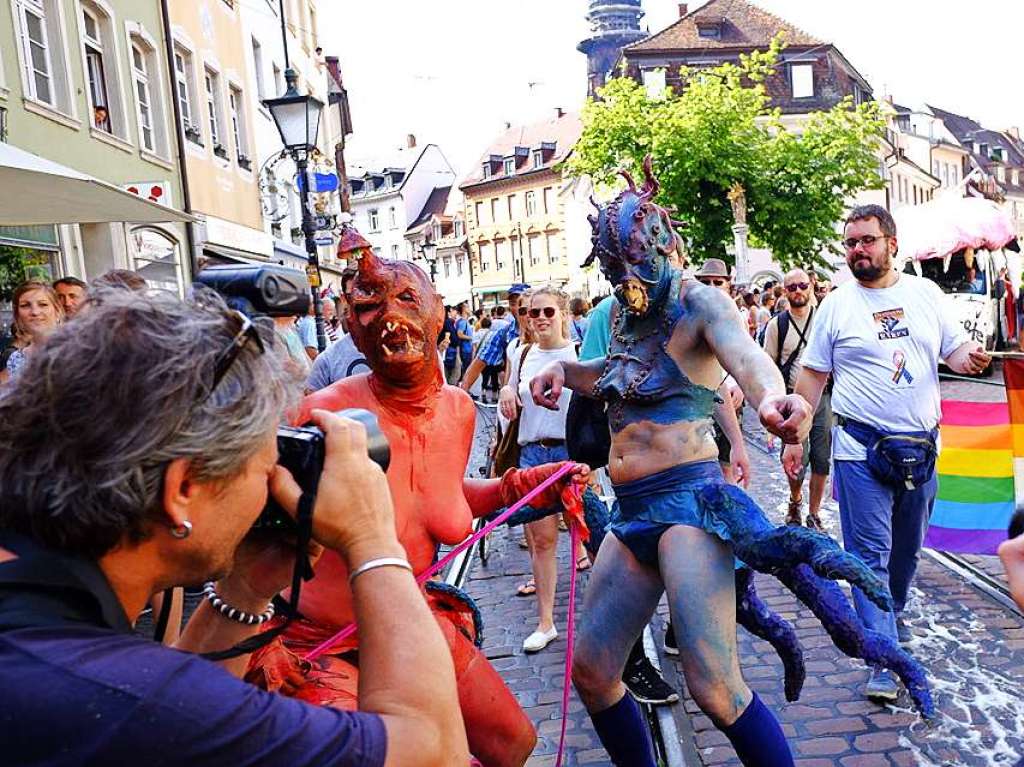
39 191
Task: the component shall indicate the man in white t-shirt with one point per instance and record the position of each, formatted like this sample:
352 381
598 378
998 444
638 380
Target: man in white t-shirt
881 336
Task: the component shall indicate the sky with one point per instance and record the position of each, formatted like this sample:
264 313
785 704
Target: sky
452 72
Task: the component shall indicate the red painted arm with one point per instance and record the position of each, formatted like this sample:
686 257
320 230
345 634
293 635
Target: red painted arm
482 495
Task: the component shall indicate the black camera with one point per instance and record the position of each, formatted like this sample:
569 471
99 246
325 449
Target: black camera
259 289
300 449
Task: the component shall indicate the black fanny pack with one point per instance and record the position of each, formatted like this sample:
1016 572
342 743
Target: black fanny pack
901 460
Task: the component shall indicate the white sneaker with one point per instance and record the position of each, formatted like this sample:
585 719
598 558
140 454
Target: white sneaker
538 640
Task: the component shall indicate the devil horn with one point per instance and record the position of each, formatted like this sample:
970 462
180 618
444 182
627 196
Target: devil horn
594 203
629 180
651 185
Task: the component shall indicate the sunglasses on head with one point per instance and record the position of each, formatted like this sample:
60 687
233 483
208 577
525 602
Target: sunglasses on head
549 312
798 286
867 241
715 281
227 357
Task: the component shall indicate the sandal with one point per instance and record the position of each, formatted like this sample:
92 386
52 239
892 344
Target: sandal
814 523
793 513
583 563
527 589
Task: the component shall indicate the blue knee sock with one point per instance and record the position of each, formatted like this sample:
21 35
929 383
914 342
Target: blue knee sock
757 737
623 734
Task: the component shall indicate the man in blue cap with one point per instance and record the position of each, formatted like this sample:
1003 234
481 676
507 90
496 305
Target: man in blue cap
492 352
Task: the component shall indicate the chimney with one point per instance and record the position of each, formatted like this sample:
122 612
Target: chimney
683 9
559 112
1014 132
410 140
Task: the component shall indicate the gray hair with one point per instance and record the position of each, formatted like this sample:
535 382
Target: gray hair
110 400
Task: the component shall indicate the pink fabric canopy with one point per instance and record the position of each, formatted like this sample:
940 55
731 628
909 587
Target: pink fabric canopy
938 228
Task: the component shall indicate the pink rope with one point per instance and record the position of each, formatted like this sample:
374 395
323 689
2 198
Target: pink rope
426 575
570 639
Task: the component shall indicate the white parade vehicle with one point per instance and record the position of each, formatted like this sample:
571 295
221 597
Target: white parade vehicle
968 247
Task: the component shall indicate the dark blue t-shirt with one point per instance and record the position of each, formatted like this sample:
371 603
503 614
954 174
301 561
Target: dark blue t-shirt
78 688
90 696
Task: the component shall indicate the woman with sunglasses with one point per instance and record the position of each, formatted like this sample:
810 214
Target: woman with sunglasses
37 313
541 439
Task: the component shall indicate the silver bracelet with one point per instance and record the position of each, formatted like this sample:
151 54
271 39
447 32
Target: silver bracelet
373 564
233 613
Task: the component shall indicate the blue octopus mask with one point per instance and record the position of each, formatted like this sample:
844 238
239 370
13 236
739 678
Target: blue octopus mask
633 239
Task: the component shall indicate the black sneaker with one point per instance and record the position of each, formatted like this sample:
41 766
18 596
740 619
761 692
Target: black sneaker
671 648
646 685
903 632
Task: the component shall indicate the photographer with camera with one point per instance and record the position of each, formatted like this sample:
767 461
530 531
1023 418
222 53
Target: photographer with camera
138 459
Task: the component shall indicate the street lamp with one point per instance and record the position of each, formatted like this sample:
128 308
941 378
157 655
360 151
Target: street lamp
298 121
428 249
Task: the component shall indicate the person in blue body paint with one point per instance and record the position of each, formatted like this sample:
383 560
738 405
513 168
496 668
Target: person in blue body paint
659 379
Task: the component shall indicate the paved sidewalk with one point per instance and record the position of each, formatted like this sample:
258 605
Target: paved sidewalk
535 679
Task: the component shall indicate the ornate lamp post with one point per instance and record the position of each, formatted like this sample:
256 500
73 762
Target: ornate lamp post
428 249
298 121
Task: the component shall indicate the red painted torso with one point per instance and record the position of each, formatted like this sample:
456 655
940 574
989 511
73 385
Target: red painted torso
430 448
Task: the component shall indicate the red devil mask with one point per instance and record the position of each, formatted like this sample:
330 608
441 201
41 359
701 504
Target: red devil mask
396 316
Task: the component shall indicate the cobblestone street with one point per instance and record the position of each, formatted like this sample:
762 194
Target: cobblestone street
972 646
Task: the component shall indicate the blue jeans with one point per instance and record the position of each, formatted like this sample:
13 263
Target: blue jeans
534 454
885 527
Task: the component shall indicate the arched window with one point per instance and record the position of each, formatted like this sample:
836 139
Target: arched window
157 257
99 53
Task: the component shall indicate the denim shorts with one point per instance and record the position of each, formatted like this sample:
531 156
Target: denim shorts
649 506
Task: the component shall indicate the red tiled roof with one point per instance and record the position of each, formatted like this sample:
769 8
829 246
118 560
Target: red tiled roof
562 131
744 25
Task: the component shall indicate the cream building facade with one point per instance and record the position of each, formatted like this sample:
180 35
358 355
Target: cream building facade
524 221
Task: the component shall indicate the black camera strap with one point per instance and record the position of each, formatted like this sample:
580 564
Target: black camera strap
165 616
290 609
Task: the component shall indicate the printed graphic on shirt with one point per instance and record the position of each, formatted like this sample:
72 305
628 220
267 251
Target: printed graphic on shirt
899 361
889 322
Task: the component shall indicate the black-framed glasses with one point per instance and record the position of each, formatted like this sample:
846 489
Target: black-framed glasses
227 357
866 240
798 286
522 310
713 281
549 312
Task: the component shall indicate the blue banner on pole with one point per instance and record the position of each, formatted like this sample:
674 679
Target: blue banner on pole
322 182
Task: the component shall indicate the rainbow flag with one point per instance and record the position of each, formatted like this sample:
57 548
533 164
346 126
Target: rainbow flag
976 471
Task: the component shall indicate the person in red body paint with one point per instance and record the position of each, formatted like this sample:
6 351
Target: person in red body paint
396 316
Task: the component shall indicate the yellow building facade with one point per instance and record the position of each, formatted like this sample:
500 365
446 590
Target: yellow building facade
516 204
215 97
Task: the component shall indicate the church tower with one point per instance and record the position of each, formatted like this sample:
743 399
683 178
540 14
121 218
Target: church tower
614 24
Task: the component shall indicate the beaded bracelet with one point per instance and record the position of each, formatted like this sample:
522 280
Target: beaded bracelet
233 613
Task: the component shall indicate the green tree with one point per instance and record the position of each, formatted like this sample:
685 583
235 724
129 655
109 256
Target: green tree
720 130
18 264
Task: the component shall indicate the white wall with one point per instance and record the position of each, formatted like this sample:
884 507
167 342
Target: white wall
582 282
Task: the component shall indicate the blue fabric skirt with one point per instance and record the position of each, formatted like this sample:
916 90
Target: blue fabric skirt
649 506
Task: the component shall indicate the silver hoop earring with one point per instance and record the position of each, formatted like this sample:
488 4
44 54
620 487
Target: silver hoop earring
183 531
